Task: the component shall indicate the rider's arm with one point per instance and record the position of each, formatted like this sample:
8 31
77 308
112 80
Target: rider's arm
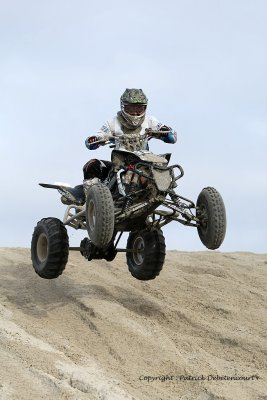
103 133
168 134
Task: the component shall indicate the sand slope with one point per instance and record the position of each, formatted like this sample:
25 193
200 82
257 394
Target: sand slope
97 333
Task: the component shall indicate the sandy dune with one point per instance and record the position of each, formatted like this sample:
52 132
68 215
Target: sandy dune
197 332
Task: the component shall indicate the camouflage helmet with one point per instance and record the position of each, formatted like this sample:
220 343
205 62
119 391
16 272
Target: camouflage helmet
136 100
133 96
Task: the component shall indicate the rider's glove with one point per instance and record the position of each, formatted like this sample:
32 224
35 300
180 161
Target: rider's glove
92 139
164 128
90 142
164 131
164 134
167 134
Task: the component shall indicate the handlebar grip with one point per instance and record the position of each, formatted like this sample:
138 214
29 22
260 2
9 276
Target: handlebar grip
156 133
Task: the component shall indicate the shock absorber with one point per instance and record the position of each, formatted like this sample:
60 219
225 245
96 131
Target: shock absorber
127 204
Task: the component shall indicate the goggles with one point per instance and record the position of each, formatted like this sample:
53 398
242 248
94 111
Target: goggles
135 109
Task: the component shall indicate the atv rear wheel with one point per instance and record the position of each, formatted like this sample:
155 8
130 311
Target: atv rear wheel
100 215
147 259
49 248
212 216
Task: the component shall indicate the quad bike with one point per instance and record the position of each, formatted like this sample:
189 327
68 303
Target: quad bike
138 197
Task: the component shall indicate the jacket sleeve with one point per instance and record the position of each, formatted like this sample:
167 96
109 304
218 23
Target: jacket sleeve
170 137
104 132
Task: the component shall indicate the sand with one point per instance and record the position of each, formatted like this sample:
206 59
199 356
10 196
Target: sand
196 332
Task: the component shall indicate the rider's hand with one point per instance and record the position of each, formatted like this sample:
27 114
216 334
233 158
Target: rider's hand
163 134
164 128
164 131
91 144
92 139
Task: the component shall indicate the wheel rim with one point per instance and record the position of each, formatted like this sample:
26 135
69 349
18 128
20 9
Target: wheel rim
91 215
42 247
138 247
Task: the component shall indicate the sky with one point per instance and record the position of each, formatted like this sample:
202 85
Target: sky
202 65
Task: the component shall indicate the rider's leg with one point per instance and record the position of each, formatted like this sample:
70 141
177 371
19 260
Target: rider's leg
93 171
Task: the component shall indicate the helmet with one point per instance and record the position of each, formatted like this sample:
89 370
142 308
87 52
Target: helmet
133 106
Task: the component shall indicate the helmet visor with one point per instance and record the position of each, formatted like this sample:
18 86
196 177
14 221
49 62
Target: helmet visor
135 109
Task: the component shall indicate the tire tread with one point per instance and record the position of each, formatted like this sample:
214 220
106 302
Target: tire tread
213 237
155 251
58 248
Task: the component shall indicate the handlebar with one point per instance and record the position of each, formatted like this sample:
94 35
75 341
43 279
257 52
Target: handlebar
148 134
155 133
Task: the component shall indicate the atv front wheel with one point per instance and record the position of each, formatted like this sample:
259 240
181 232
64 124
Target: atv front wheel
147 254
100 215
49 248
212 217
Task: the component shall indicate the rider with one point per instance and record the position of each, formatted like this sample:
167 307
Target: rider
131 119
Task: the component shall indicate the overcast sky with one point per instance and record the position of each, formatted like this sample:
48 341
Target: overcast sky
201 63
